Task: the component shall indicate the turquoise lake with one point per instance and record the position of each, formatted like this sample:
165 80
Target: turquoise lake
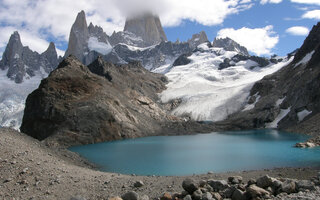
198 154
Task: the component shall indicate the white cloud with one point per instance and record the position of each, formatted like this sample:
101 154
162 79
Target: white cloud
270 1
313 14
257 40
316 2
298 30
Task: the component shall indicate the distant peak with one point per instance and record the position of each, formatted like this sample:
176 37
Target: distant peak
52 46
229 44
81 21
15 37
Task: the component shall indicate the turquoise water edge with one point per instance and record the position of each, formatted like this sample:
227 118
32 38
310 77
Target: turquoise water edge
198 154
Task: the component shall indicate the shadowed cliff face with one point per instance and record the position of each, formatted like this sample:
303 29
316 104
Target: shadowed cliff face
80 104
148 27
290 96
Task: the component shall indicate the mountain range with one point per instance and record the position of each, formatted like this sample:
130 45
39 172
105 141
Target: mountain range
215 81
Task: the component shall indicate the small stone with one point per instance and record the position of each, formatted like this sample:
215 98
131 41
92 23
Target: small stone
197 195
202 183
216 196
238 195
188 197
189 185
265 181
255 191
7 180
288 186
218 185
13 162
210 172
138 184
115 198
207 196
252 182
23 182
78 198
235 179
130 196
166 196
305 185
25 170
143 197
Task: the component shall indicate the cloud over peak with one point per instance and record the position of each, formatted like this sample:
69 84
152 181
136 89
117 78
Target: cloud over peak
257 40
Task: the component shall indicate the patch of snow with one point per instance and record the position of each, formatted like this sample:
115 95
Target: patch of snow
282 114
197 39
303 114
203 47
16 56
134 48
13 97
306 59
209 94
100 47
279 101
251 106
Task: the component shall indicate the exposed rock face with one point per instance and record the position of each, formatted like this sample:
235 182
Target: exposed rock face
290 98
75 105
148 27
230 45
78 39
198 39
21 62
151 58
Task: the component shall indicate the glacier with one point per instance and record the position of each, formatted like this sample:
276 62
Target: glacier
210 94
13 97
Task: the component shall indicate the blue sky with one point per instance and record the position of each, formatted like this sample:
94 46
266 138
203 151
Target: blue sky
265 27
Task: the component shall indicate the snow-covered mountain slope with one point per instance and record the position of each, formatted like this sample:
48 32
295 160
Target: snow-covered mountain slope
210 94
13 97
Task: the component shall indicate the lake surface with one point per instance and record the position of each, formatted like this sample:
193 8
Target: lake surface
198 154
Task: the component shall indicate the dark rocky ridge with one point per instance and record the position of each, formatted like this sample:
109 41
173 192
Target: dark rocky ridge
22 62
77 104
297 84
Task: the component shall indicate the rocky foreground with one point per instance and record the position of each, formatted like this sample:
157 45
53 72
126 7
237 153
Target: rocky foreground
31 170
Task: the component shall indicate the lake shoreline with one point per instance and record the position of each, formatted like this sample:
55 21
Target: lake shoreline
30 169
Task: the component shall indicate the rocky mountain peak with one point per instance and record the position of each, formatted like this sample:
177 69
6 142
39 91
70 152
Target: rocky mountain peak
312 42
198 39
230 45
148 27
78 39
51 56
12 52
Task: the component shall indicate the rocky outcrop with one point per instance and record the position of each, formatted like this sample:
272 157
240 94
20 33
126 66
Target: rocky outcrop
198 39
288 99
146 26
230 45
77 104
21 62
78 38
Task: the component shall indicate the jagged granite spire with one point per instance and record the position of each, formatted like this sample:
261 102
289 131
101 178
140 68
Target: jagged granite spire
50 55
21 62
78 39
230 45
198 39
13 51
148 27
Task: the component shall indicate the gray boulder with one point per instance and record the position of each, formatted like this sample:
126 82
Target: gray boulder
289 186
265 181
218 185
130 196
197 195
238 195
189 185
